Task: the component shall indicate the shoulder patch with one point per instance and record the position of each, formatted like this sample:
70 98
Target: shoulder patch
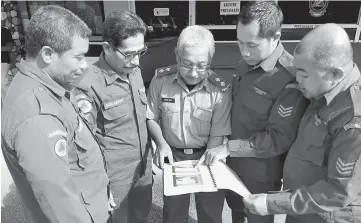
286 60
355 91
218 81
166 70
60 148
355 123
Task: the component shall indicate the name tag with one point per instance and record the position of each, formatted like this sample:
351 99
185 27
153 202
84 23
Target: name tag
113 103
170 100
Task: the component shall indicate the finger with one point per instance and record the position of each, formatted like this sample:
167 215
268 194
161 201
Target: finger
214 159
170 157
200 161
208 159
156 160
161 161
112 203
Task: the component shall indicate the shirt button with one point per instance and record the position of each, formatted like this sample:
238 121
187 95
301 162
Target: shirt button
41 89
185 112
357 88
277 202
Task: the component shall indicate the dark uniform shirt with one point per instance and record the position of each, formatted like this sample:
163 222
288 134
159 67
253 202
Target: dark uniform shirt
52 156
116 110
266 112
323 167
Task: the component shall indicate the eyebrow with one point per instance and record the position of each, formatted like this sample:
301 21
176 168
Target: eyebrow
134 51
300 69
247 42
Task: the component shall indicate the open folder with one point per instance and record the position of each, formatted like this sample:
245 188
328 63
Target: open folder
184 177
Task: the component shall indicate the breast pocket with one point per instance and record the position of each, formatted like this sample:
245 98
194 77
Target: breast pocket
115 118
86 148
201 123
259 106
315 137
171 118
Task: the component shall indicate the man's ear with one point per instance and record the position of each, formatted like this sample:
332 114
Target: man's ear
107 48
337 74
176 52
47 54
277 35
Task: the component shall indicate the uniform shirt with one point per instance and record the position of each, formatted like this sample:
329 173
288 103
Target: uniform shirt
323 167
189 118
116 110
267 108
55 162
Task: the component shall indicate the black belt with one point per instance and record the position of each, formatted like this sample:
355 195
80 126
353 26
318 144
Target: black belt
190 151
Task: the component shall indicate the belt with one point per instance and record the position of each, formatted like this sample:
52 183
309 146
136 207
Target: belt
190 151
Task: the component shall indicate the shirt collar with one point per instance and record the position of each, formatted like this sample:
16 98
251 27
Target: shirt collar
344 84
270 62
41 76
110 75
205 83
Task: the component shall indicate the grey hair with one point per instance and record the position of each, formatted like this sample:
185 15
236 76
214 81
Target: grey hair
196 36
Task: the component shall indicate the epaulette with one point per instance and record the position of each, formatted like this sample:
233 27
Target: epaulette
354 123
218 81
166 70
286 60
355 92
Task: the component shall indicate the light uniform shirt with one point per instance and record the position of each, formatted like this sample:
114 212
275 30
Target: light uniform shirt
189 118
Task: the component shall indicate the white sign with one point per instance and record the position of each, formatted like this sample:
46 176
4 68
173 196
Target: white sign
230 8
161 11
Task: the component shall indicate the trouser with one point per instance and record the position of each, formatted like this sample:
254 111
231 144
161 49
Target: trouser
235 202
133 197
209 205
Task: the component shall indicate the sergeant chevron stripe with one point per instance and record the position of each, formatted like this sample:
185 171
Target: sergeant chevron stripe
284 111
345 168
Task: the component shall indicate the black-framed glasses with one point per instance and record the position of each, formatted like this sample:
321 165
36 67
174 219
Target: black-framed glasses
130 56
201 69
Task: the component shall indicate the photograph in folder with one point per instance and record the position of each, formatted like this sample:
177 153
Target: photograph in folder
185 177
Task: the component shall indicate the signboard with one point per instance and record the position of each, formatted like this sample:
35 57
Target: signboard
230 8
161 11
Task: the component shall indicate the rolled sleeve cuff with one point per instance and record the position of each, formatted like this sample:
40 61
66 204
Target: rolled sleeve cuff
279 203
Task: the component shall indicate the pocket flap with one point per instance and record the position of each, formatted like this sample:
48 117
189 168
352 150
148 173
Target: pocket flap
116 112
203 114
256 102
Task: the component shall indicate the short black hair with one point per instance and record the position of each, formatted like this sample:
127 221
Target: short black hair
53 26
268 14
120 25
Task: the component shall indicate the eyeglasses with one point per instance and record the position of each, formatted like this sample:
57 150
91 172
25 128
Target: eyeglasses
200 69
130 56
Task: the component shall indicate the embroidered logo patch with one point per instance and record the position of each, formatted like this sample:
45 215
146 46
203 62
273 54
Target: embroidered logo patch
84 106
284 111
60 148
345 168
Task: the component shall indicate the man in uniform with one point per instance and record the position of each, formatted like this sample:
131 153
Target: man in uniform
266 108
112 99
322 172
193 104
56 164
